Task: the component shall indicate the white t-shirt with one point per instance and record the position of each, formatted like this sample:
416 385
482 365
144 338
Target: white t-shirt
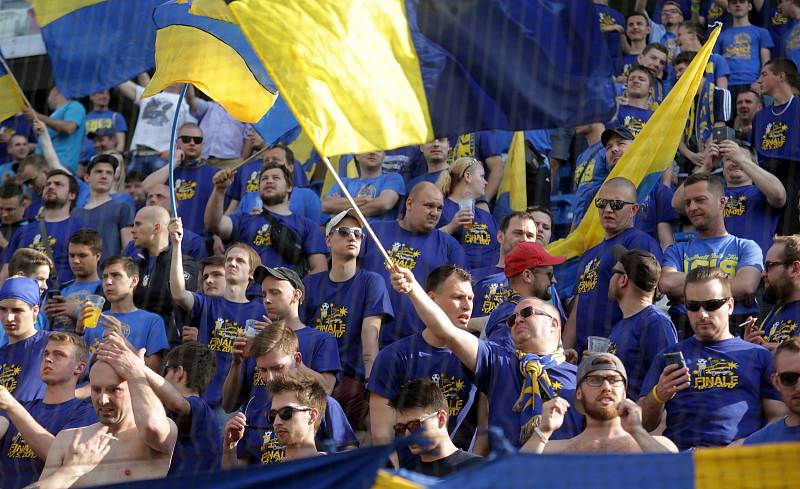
154 125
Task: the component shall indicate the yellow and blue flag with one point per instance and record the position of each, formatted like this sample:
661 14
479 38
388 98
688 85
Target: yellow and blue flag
378 75
11 100
96 44
649 154
512 195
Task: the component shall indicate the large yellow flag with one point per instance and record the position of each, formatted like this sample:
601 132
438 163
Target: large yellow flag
650 153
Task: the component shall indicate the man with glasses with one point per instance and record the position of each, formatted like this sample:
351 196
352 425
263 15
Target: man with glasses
716 388
785 379
703 198
782 284
250 436
644 330
592 313
350 303
422 411
516 382
613 422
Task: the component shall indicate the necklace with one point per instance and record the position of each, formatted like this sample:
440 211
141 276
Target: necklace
772 109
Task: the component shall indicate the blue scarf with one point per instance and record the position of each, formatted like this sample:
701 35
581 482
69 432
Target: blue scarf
536 387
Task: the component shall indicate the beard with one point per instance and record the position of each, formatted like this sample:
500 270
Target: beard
54 203
602 413
270 200
777 291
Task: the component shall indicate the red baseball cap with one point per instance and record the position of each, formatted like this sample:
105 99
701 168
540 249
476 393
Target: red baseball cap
527 255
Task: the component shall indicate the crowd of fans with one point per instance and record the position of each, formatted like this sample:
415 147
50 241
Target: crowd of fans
263 324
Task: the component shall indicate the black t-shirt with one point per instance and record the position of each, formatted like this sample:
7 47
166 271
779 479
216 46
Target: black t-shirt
443 467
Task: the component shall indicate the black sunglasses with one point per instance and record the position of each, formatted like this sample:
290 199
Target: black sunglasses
615 204
788 379
412 426
189 139
346 231
525 312
709 305
285 413
770 264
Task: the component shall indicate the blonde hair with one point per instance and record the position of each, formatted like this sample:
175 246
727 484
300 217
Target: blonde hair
449 179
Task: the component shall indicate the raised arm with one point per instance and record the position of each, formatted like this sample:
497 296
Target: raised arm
770 185
48 150
461 342
672 380
37 437
169 396
232 388
177 284
215 219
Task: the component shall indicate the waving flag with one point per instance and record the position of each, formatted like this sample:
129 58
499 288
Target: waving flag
649 154
11 100
513 192
96 44
383 74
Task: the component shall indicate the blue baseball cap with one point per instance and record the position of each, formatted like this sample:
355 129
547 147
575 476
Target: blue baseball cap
21 288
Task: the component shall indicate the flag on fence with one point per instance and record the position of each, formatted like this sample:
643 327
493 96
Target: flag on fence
96 44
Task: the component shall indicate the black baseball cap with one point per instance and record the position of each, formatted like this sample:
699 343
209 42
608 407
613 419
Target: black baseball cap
620 131
102 132
281 273
102 158
640 266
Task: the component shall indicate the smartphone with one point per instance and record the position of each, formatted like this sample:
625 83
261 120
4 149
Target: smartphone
723 133
675 358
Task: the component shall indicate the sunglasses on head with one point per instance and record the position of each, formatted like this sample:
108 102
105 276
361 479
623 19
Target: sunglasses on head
525 312
285 412
189 139
709 305
615 204
346 231
788 379
412 426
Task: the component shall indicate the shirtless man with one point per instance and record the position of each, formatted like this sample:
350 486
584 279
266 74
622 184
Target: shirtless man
130 415
613 423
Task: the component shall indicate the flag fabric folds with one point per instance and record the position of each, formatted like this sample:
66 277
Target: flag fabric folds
214 56
96 44
512 194
649 154
11 100
380 75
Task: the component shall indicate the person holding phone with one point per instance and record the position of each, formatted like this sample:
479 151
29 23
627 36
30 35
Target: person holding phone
724 392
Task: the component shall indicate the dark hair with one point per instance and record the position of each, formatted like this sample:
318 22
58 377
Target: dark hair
748 90
278 336
542 209
197 359
787 67
684 57
127 264
190 125
419 394
791 243
212 261
715 184
73 182
80 348
519 214
286 173
707 274
697 29
25 261
651 78
87 237
134 176
287 151
307 389
637 14
655 45
440 274
36 161
11 190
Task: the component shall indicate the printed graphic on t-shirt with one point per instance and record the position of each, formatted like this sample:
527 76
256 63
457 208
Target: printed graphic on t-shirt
726 263
125 330
404 256
588 279
252 183
712 372
633 124
225 331
332 319
477 234
740 48
19 448
185 189
606 20
155 111
263 236
8 376
774 136
39 245
368 191
781 330
271 450
736 206
496 294
452 388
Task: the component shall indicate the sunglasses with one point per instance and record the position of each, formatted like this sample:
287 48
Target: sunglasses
526 313
597 380
346 231
708 306
285 412
467 167
615 204
770 264
189 139
412 426
788 379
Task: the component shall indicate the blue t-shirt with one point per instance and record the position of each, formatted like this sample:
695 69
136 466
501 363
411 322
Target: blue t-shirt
198 449
596 315
339 308
497 330
407 161
68 146
75 293
728 253
749 215
479 240
633 118
219 321
655 209
414 358
430 177
19 465
607 16
777 136
729 379
777 432
30 236
497 375
741 47
142 328
19 367
591 166
108 218
490 291
260 445
783 323
791 41
372 188
255 230
420 253
194 182
637 341
106 119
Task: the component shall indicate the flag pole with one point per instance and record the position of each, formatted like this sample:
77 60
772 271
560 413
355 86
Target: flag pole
389 263
14 79
251 157
171 162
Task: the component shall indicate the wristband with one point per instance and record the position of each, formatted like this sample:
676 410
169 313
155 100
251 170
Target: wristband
541 435
655 395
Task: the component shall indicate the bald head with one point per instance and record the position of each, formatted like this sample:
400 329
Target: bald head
423 189
623 185
155 214
423 208
150 228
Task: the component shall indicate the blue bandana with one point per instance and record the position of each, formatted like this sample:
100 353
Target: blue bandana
22 288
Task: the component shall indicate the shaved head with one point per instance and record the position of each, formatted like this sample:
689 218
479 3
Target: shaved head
155 214
423 208
423 189
622 185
